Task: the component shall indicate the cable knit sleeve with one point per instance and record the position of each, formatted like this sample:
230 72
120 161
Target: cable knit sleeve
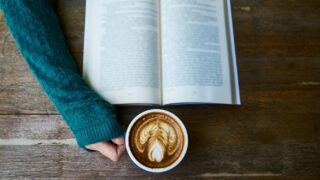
35 27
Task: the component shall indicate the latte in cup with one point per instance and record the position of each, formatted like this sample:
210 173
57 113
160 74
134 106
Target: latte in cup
156 140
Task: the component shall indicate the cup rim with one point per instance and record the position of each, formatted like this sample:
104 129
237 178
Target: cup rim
184 150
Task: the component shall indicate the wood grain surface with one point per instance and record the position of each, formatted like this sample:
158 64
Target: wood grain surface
274 134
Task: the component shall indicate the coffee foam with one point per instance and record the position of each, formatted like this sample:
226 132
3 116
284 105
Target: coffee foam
158 140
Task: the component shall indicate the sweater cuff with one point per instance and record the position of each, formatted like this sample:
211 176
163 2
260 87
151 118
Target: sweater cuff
98 133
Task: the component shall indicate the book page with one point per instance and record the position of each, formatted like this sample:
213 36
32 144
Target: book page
122 53
195 59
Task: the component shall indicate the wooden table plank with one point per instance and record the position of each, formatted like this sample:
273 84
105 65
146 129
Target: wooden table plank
225 129
204 161
33 127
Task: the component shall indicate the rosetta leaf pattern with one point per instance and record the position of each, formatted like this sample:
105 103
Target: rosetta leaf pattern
158 139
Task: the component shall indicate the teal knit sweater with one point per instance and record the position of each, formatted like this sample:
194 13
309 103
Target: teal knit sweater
35 27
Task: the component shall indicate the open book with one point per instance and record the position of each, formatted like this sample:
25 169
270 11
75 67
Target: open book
161 51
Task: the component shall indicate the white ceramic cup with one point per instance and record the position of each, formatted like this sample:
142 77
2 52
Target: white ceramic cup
185 146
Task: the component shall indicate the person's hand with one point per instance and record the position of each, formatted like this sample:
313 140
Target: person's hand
111 149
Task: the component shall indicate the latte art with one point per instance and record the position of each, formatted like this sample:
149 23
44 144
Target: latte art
157 138
156 152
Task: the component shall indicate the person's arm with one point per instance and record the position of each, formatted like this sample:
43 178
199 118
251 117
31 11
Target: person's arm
36 29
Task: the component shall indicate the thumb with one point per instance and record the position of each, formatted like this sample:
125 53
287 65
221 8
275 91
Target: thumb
118 140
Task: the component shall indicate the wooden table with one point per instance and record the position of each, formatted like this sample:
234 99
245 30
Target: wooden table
275 133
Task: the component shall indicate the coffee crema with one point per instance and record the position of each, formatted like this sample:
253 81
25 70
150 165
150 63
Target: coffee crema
156 140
